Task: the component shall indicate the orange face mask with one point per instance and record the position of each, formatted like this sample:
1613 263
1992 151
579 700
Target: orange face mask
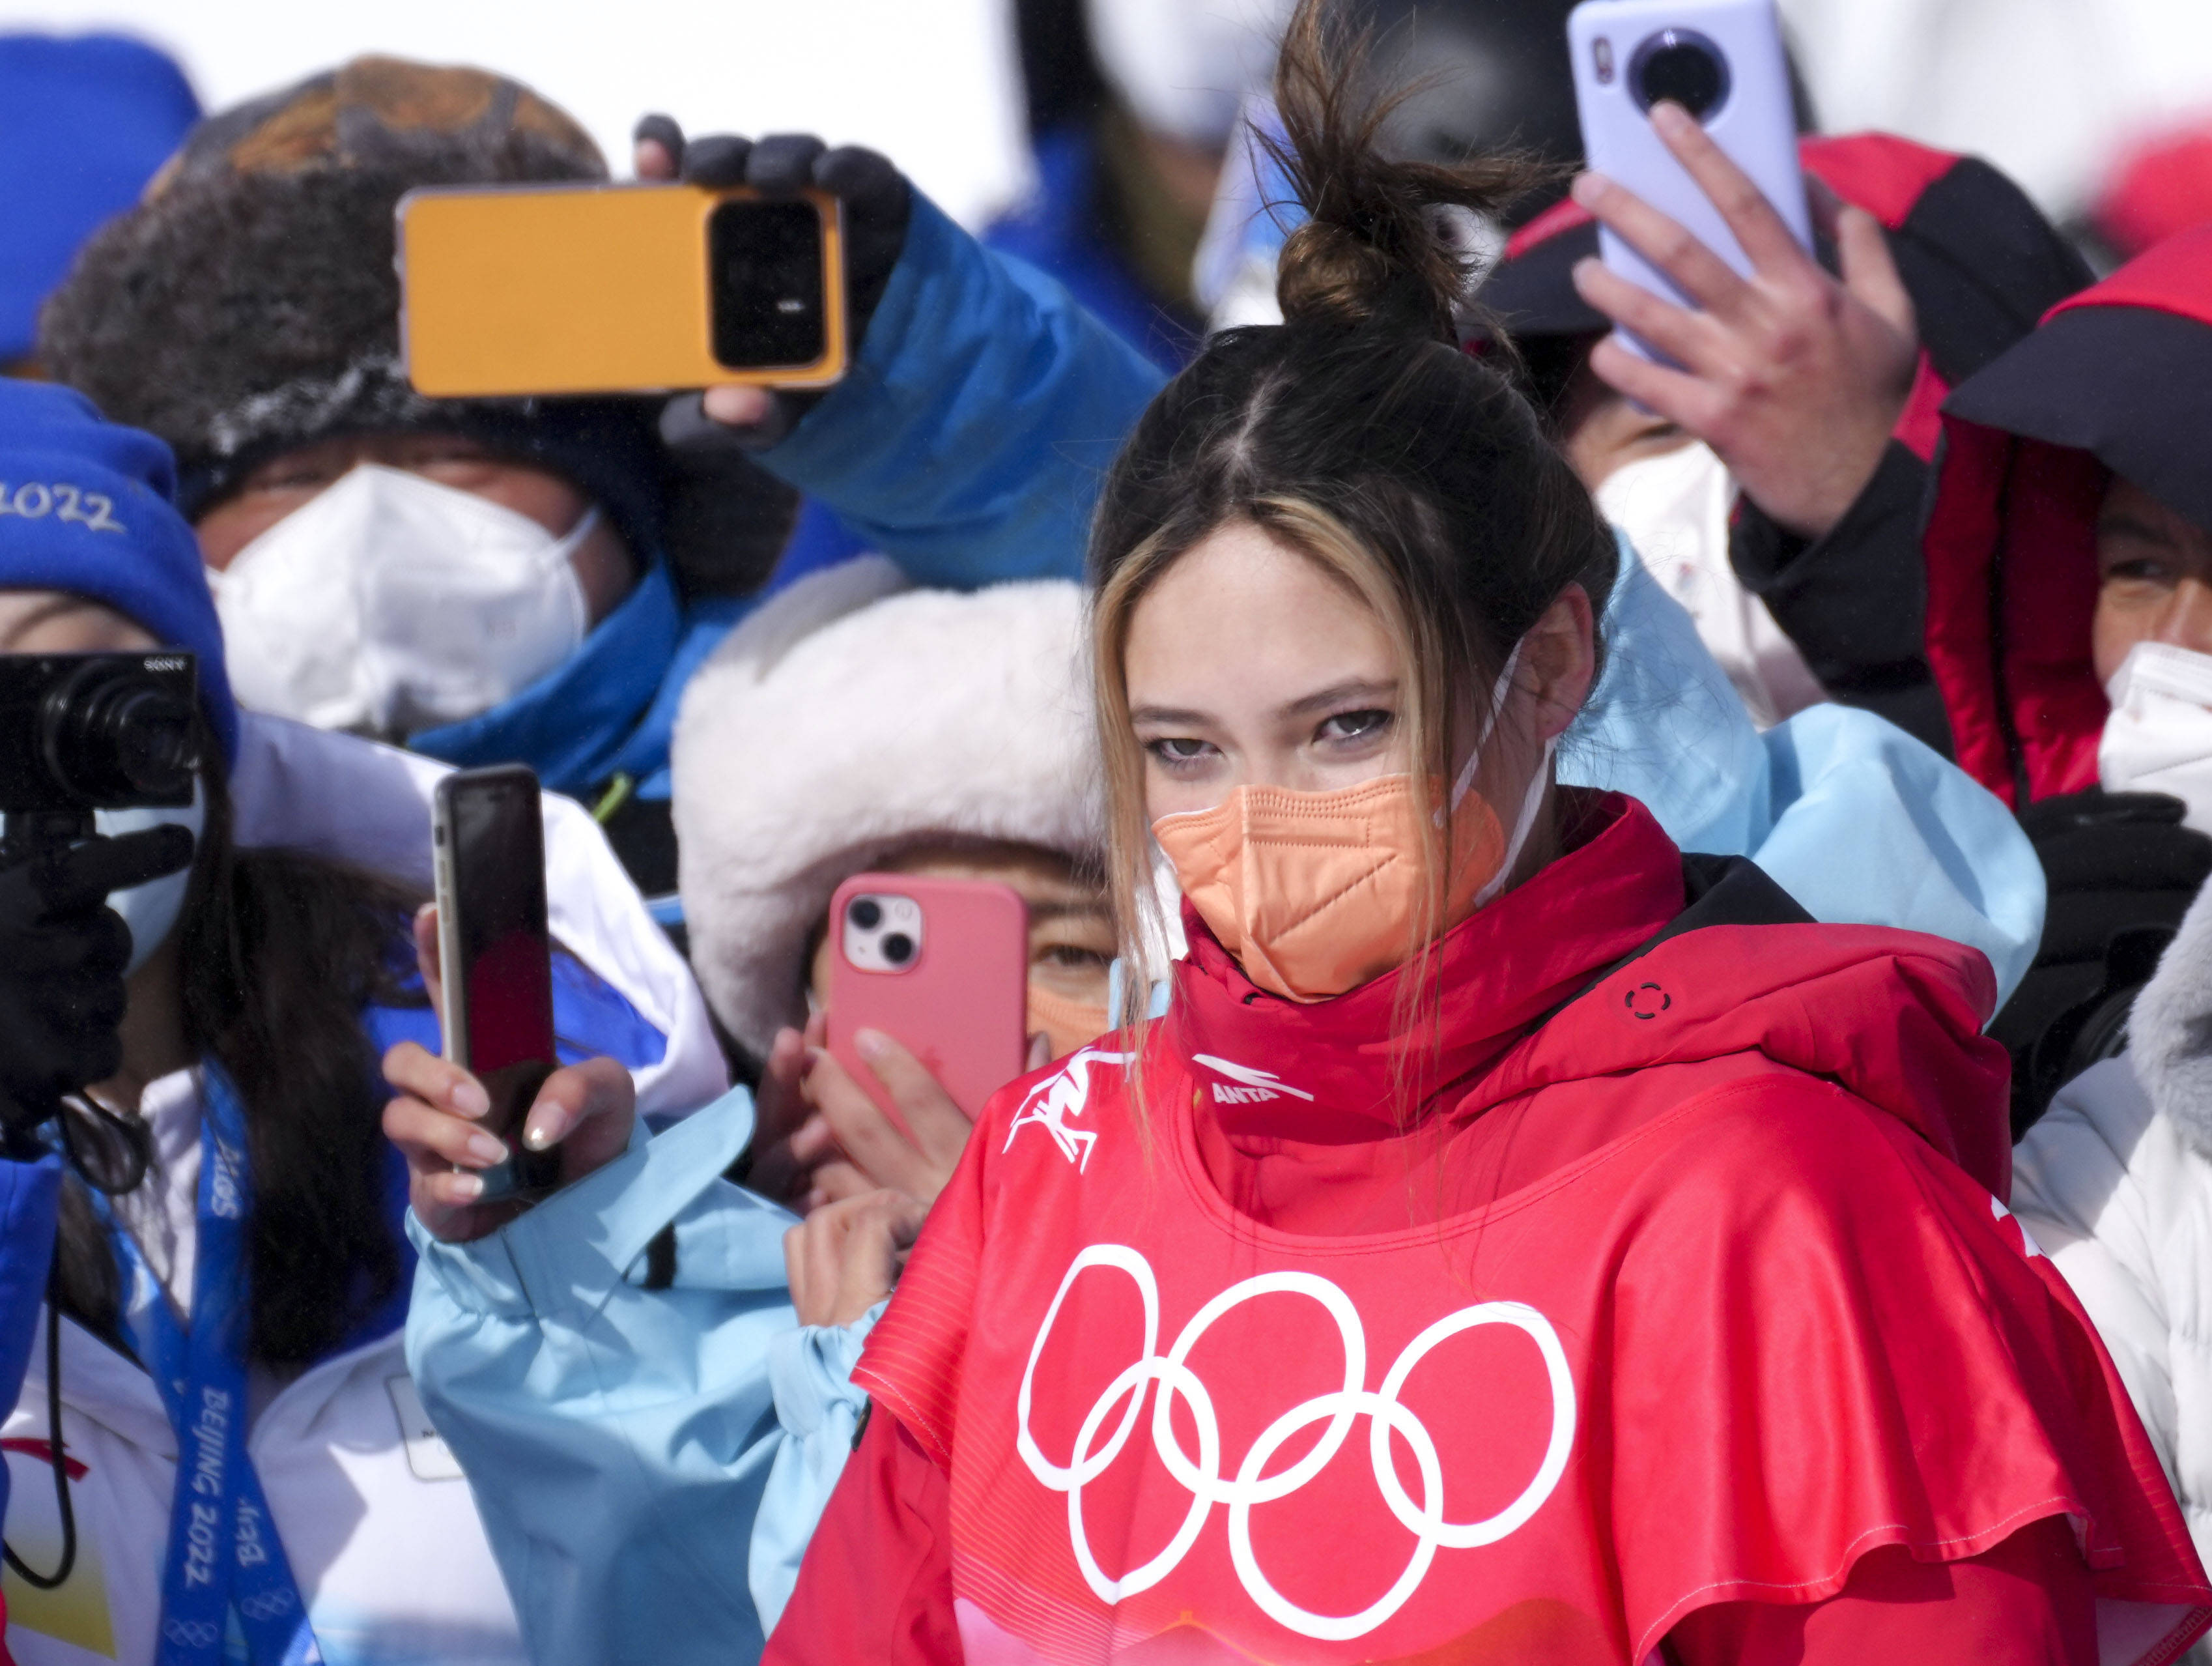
1317 893
1065 1022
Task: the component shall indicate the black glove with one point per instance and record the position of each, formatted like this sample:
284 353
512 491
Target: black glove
62 954
2122 871
877 202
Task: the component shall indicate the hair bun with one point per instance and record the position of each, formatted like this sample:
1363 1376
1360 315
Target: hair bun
1380 242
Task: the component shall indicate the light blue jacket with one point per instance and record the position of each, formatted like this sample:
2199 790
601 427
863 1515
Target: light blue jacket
650 1463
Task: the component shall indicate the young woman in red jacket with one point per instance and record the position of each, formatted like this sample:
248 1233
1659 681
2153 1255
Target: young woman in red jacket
1518 1242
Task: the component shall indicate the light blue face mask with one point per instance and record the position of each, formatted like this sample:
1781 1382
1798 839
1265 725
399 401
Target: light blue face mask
150 910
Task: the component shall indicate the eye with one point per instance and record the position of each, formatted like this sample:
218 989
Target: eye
2143 569
1179 752
1075 957
293 478
1369 724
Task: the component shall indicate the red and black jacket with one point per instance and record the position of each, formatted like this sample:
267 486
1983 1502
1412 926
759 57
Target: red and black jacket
1983 265
2117 382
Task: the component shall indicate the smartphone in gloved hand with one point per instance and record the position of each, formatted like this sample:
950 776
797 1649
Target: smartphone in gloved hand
508 291
495 957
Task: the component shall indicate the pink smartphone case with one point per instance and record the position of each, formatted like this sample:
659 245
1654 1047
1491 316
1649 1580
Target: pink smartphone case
961 1008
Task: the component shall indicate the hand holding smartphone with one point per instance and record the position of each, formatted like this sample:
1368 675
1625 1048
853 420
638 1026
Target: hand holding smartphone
495 957
940 965
1722 61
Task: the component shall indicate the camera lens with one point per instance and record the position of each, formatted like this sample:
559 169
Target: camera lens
1683 66
122 734
865 913
898 948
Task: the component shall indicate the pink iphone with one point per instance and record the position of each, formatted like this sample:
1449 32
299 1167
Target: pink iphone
941 966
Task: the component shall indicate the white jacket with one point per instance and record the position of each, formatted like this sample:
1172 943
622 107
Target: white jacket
2115 1183
379 1525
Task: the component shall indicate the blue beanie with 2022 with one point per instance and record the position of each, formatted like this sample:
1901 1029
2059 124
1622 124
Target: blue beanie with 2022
85 507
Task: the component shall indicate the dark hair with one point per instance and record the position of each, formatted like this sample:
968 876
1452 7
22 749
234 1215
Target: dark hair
281 951
1357 431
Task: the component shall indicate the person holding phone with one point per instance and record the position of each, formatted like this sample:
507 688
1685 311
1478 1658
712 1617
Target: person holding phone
1782 457
1510 1221
856 724
228 1031
853 724
482 581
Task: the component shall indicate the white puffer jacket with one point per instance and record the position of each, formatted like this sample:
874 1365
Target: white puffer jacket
2115 1183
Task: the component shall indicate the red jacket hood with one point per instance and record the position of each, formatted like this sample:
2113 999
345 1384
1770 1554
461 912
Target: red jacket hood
1894 1016
2117 379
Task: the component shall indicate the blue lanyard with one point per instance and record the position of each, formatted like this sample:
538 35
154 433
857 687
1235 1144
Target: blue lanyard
214 1570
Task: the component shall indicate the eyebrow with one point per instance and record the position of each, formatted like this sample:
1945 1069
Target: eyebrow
1335 697
2127 525
1170 714
54 607
1339 695
1063 909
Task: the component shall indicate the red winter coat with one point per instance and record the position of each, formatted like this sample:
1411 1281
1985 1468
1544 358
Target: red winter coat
1679 1319
2117 380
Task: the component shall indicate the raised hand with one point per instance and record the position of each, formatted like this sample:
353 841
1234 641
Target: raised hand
1794 380
436 1119
877 202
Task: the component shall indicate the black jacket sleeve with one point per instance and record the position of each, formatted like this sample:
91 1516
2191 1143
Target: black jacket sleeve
1855 601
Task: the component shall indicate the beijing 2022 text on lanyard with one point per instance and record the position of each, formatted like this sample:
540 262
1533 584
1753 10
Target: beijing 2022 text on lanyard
224 1554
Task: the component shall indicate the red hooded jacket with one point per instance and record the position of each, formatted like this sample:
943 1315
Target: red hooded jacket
2118 380
1679 1300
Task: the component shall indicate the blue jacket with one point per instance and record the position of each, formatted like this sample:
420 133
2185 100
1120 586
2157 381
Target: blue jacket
30 1195
626 1442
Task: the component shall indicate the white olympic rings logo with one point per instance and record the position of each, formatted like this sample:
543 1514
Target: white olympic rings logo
1252 1485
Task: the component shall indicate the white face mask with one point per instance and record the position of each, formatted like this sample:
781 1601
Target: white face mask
1675 508
2158 738
150 910
392 603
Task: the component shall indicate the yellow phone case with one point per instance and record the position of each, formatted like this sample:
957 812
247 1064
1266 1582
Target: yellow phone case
509 291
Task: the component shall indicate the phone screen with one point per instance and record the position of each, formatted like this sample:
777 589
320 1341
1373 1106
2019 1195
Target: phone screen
766 262
500 927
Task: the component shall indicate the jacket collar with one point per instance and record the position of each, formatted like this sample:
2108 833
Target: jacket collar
571 725
1496 975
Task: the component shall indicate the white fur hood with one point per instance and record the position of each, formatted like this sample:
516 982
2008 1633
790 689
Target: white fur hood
2115 1183
2170 1029
848 718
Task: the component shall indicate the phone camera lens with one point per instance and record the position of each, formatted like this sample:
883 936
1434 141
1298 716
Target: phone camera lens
865 913
898 948
1683 66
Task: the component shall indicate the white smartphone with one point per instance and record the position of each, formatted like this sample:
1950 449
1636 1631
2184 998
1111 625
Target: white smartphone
1722 61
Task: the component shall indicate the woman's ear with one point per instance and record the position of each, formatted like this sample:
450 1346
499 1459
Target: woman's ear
1560 653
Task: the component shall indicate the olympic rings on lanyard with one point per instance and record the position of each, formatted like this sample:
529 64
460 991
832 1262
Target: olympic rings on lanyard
1252 1485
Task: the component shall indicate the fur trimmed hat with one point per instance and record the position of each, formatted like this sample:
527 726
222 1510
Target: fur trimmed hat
249 304
850 718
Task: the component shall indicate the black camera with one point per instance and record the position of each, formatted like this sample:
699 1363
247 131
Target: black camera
1682 65
86 731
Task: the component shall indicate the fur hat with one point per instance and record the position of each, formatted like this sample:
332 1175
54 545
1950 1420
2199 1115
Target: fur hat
850 718
249 305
